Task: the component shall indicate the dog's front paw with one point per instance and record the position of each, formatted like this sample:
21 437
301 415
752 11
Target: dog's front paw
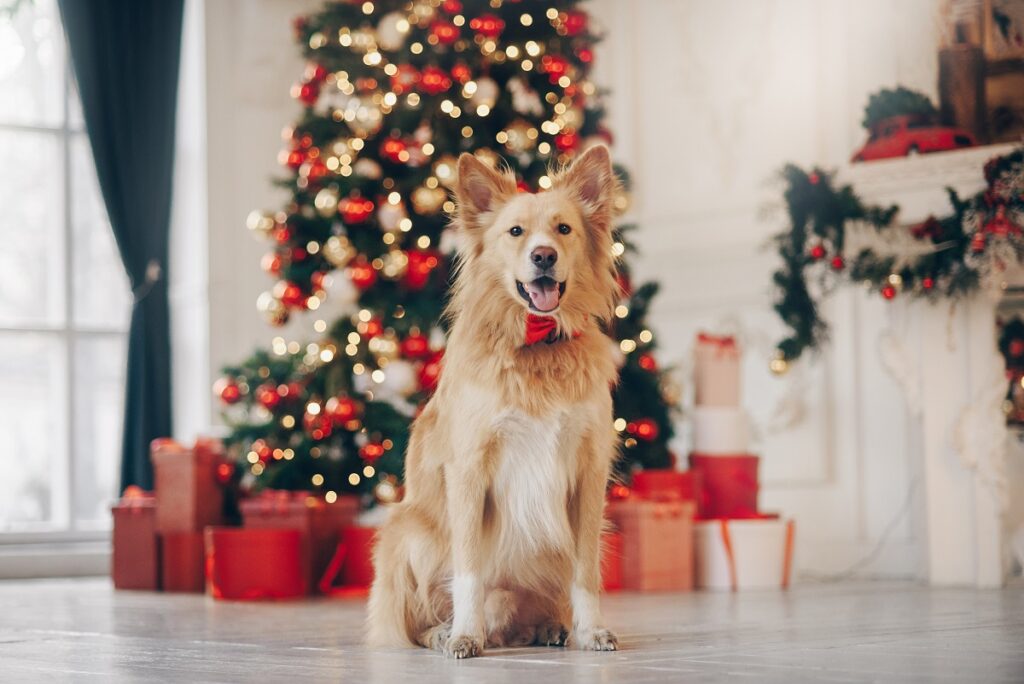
463 646
599 639
552 633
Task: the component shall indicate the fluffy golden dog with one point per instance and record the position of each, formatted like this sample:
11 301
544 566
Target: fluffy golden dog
497 541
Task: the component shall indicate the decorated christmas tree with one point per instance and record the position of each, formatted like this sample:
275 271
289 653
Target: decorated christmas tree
393 91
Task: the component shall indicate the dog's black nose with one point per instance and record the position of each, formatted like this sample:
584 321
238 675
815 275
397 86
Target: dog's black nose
544 257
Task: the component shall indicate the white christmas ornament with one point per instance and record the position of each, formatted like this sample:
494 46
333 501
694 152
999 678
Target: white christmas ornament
392 30
486 93
390 216
399 379
525 100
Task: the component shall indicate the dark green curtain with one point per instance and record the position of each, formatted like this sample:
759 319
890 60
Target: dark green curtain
125 55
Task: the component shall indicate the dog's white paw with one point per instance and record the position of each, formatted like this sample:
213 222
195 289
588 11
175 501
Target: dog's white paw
463 646
599 639
552 633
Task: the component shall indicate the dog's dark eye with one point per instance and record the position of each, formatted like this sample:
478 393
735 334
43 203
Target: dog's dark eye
564 228
515 231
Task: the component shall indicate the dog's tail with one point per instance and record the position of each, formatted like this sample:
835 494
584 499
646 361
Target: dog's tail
391 612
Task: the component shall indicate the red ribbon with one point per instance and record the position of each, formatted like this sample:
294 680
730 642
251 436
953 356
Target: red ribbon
542 329
720 341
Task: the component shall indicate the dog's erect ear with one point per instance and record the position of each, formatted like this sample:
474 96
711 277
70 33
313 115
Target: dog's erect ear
480 189
591 180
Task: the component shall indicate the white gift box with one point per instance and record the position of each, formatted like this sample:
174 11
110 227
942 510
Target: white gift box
733 554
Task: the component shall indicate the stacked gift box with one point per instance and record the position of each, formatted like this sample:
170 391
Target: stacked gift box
737 545
174 538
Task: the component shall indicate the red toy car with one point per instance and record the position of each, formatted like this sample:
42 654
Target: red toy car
900 136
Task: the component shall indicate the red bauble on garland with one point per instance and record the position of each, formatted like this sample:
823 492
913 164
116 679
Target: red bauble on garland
228 390
838 264
371 328
317 425
355 209
271 263
291 295
295 159
555 66
268 396
648 363
405 79
451 6
487 25
342 409
371 451
573 22
817 252
434 81
415 346
645 429
282 235
445 32
567 141
362 273
888 291
927 282
308 93
394 149
421 263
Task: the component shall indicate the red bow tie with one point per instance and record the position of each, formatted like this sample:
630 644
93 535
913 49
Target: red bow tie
542 329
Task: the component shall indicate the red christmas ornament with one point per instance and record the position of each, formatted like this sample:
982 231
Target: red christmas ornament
228 390
888 291
817 252
315 73
224 473
567 141
371 328
362 274
355 209
1016 348
298 254
573 23
305 141
522 186
930 228
308 93
585 55
461 72
405 79
619 492
292 391
271 263
645 429
927 282
371 451
430 372
814 178
282 235
555 66
262 449
434 81
415 346
648 363
295 159
394 149
318 426
445 32
342 409
451 6
487 25
291 296
420 265
267 396
314 170
838 263
317 280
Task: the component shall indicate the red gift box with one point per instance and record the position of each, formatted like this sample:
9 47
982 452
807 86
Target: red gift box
665 484
350 572
188 495
135 562
716 371
729 486
657 543
319 522
182 561
255 564
611 561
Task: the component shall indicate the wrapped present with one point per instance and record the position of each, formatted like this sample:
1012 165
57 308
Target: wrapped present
720 430
729 486
135 562
664 484
752 553
255 564
657 543
350 572
319 522
188 493
717 371
611 560
181 562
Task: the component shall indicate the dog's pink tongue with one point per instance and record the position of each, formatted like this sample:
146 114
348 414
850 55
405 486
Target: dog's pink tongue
543 294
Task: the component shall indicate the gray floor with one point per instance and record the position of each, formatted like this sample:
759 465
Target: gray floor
84 631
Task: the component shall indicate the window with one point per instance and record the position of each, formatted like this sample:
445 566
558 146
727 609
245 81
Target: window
64 296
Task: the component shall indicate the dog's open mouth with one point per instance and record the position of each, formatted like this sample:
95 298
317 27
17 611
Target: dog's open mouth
542 294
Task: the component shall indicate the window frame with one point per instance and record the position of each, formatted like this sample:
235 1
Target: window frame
62 527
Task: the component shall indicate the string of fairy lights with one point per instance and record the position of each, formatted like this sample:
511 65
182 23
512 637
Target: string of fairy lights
392 92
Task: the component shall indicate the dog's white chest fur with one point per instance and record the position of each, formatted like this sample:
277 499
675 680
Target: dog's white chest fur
535 477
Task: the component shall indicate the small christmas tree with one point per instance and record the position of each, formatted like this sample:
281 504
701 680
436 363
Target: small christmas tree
393 92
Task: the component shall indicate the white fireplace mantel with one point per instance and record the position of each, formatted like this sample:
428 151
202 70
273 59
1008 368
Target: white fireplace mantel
945 357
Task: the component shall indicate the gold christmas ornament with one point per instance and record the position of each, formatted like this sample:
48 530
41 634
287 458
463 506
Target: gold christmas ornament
260 222
338 250
485 94
778 365
326 202
363 117
274 312
446 170
394 264
384 346
427 201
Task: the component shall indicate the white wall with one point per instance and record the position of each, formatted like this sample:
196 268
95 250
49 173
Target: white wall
709 99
